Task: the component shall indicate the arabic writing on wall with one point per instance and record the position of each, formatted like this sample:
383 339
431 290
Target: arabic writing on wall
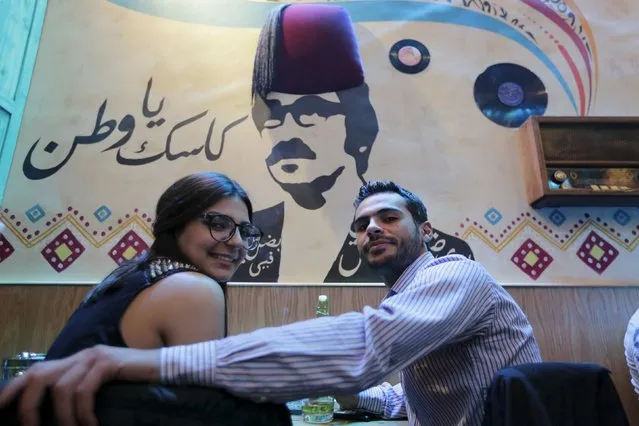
103 129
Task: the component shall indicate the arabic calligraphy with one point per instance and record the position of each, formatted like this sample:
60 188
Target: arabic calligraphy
349 254
562 9
558 6
495 10
103 129
256 268
441 244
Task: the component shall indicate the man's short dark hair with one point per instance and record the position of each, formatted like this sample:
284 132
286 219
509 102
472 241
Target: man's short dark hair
413 203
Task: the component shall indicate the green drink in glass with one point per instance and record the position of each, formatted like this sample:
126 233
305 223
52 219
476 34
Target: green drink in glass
319 410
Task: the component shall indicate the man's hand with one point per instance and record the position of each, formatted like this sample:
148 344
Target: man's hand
348 402
75 380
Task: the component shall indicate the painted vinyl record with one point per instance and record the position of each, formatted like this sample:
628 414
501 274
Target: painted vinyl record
507 94
409 56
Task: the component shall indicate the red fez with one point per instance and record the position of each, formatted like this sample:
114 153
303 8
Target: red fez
316 51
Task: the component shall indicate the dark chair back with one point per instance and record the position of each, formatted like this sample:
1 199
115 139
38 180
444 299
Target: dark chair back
554 394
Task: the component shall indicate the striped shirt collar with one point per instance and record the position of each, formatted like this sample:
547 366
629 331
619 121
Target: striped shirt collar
409 273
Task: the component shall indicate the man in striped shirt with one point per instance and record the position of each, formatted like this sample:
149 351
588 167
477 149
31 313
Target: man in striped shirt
631 350
446 325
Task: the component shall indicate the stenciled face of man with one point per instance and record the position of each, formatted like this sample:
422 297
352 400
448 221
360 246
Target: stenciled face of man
308 134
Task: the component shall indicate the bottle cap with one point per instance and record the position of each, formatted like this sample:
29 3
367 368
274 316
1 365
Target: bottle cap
323 298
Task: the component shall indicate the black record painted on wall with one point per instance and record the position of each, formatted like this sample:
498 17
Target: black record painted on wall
507 94
409 56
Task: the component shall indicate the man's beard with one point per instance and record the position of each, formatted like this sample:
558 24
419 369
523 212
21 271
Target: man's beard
406 254
309 195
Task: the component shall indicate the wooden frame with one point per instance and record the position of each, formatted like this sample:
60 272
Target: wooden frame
12 107
535 167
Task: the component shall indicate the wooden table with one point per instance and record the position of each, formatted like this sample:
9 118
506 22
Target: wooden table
297 421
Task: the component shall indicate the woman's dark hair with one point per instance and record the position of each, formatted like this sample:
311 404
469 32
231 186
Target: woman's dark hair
181 203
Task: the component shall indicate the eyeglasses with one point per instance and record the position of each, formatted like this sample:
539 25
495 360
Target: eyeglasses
307 111
222 229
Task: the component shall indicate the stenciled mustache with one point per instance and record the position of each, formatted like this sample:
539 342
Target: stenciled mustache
371 243
293 148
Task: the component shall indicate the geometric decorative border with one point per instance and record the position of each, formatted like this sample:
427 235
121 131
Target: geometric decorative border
531 259
597 253
500 239
62 251
493 216
76 219
497 240
130 246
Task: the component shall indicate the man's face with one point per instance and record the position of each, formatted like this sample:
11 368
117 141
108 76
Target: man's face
307 133
387 236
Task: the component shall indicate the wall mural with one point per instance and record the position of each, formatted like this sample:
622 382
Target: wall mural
153 91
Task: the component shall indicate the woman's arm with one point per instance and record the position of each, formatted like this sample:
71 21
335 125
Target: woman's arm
182 308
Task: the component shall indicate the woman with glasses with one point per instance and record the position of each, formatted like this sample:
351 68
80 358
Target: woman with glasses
175 294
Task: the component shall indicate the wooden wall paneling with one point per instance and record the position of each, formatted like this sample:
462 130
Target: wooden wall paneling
32 316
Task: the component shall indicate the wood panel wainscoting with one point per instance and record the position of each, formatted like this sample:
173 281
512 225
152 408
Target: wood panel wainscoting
573 324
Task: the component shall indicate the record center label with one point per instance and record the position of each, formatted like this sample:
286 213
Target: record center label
510 94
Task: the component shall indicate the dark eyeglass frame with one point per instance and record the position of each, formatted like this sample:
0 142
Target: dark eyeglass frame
272 109
207 219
